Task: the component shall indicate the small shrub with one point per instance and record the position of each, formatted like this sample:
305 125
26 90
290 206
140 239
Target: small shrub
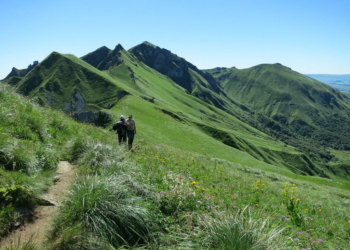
7 219
47 157
17 195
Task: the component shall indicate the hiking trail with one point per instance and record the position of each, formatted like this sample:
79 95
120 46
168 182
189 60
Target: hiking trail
37 229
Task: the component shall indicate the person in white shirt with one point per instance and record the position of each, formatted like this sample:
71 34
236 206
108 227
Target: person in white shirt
130 130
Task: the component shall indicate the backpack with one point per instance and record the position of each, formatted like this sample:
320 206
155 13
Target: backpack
119 126
116 126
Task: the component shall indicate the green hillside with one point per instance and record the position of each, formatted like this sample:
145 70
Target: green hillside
207 165
212 122
67 83
209 86
157 197
307 107
204 113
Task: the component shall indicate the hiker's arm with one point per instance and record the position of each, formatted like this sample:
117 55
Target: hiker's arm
135 129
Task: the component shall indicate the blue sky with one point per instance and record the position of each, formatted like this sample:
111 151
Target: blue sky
306 35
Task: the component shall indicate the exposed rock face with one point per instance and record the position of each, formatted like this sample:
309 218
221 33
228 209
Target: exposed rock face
88 117
68 107
76 109
77 105
170 65
32 66
79 102
49 99
103 58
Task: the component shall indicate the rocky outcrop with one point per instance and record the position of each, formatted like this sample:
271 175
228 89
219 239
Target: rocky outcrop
170 65
49 99
77 105
76 109
87 117
32 66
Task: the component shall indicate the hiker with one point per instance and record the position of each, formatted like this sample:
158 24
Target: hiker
131 130
120 126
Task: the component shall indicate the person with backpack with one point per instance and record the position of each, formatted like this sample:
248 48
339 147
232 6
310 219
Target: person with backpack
131 130
120 126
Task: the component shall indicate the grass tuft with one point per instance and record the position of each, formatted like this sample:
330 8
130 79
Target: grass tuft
241 231
105 208
20 245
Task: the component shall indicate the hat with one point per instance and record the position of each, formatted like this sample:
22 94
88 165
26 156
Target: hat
122 117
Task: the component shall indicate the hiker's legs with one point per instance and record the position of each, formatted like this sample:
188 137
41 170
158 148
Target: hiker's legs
120 137
130 138
123 138
130 141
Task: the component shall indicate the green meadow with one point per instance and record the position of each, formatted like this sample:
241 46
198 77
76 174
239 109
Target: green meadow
166 194
212 167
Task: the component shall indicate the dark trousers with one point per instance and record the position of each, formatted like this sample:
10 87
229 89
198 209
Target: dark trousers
130 134
121 136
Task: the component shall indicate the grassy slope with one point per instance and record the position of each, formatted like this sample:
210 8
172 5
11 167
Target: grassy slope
274 125
168 96
203 120
304 94
217 123
306 107
61 75
32 141
223 186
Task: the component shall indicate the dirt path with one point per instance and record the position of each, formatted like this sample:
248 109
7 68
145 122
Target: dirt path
36 230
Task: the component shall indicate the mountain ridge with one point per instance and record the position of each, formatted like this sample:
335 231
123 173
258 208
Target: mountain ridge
21 72
101 80
287 97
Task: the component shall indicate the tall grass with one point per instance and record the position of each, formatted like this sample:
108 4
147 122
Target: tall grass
23 245
152 197
76 238
105 208
228 187
241 231
96 155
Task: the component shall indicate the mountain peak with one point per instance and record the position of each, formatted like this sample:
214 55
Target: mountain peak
149 44
96 57
118 47
281 65
271 66
103 48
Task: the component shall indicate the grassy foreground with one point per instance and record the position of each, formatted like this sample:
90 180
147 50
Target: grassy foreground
157 197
